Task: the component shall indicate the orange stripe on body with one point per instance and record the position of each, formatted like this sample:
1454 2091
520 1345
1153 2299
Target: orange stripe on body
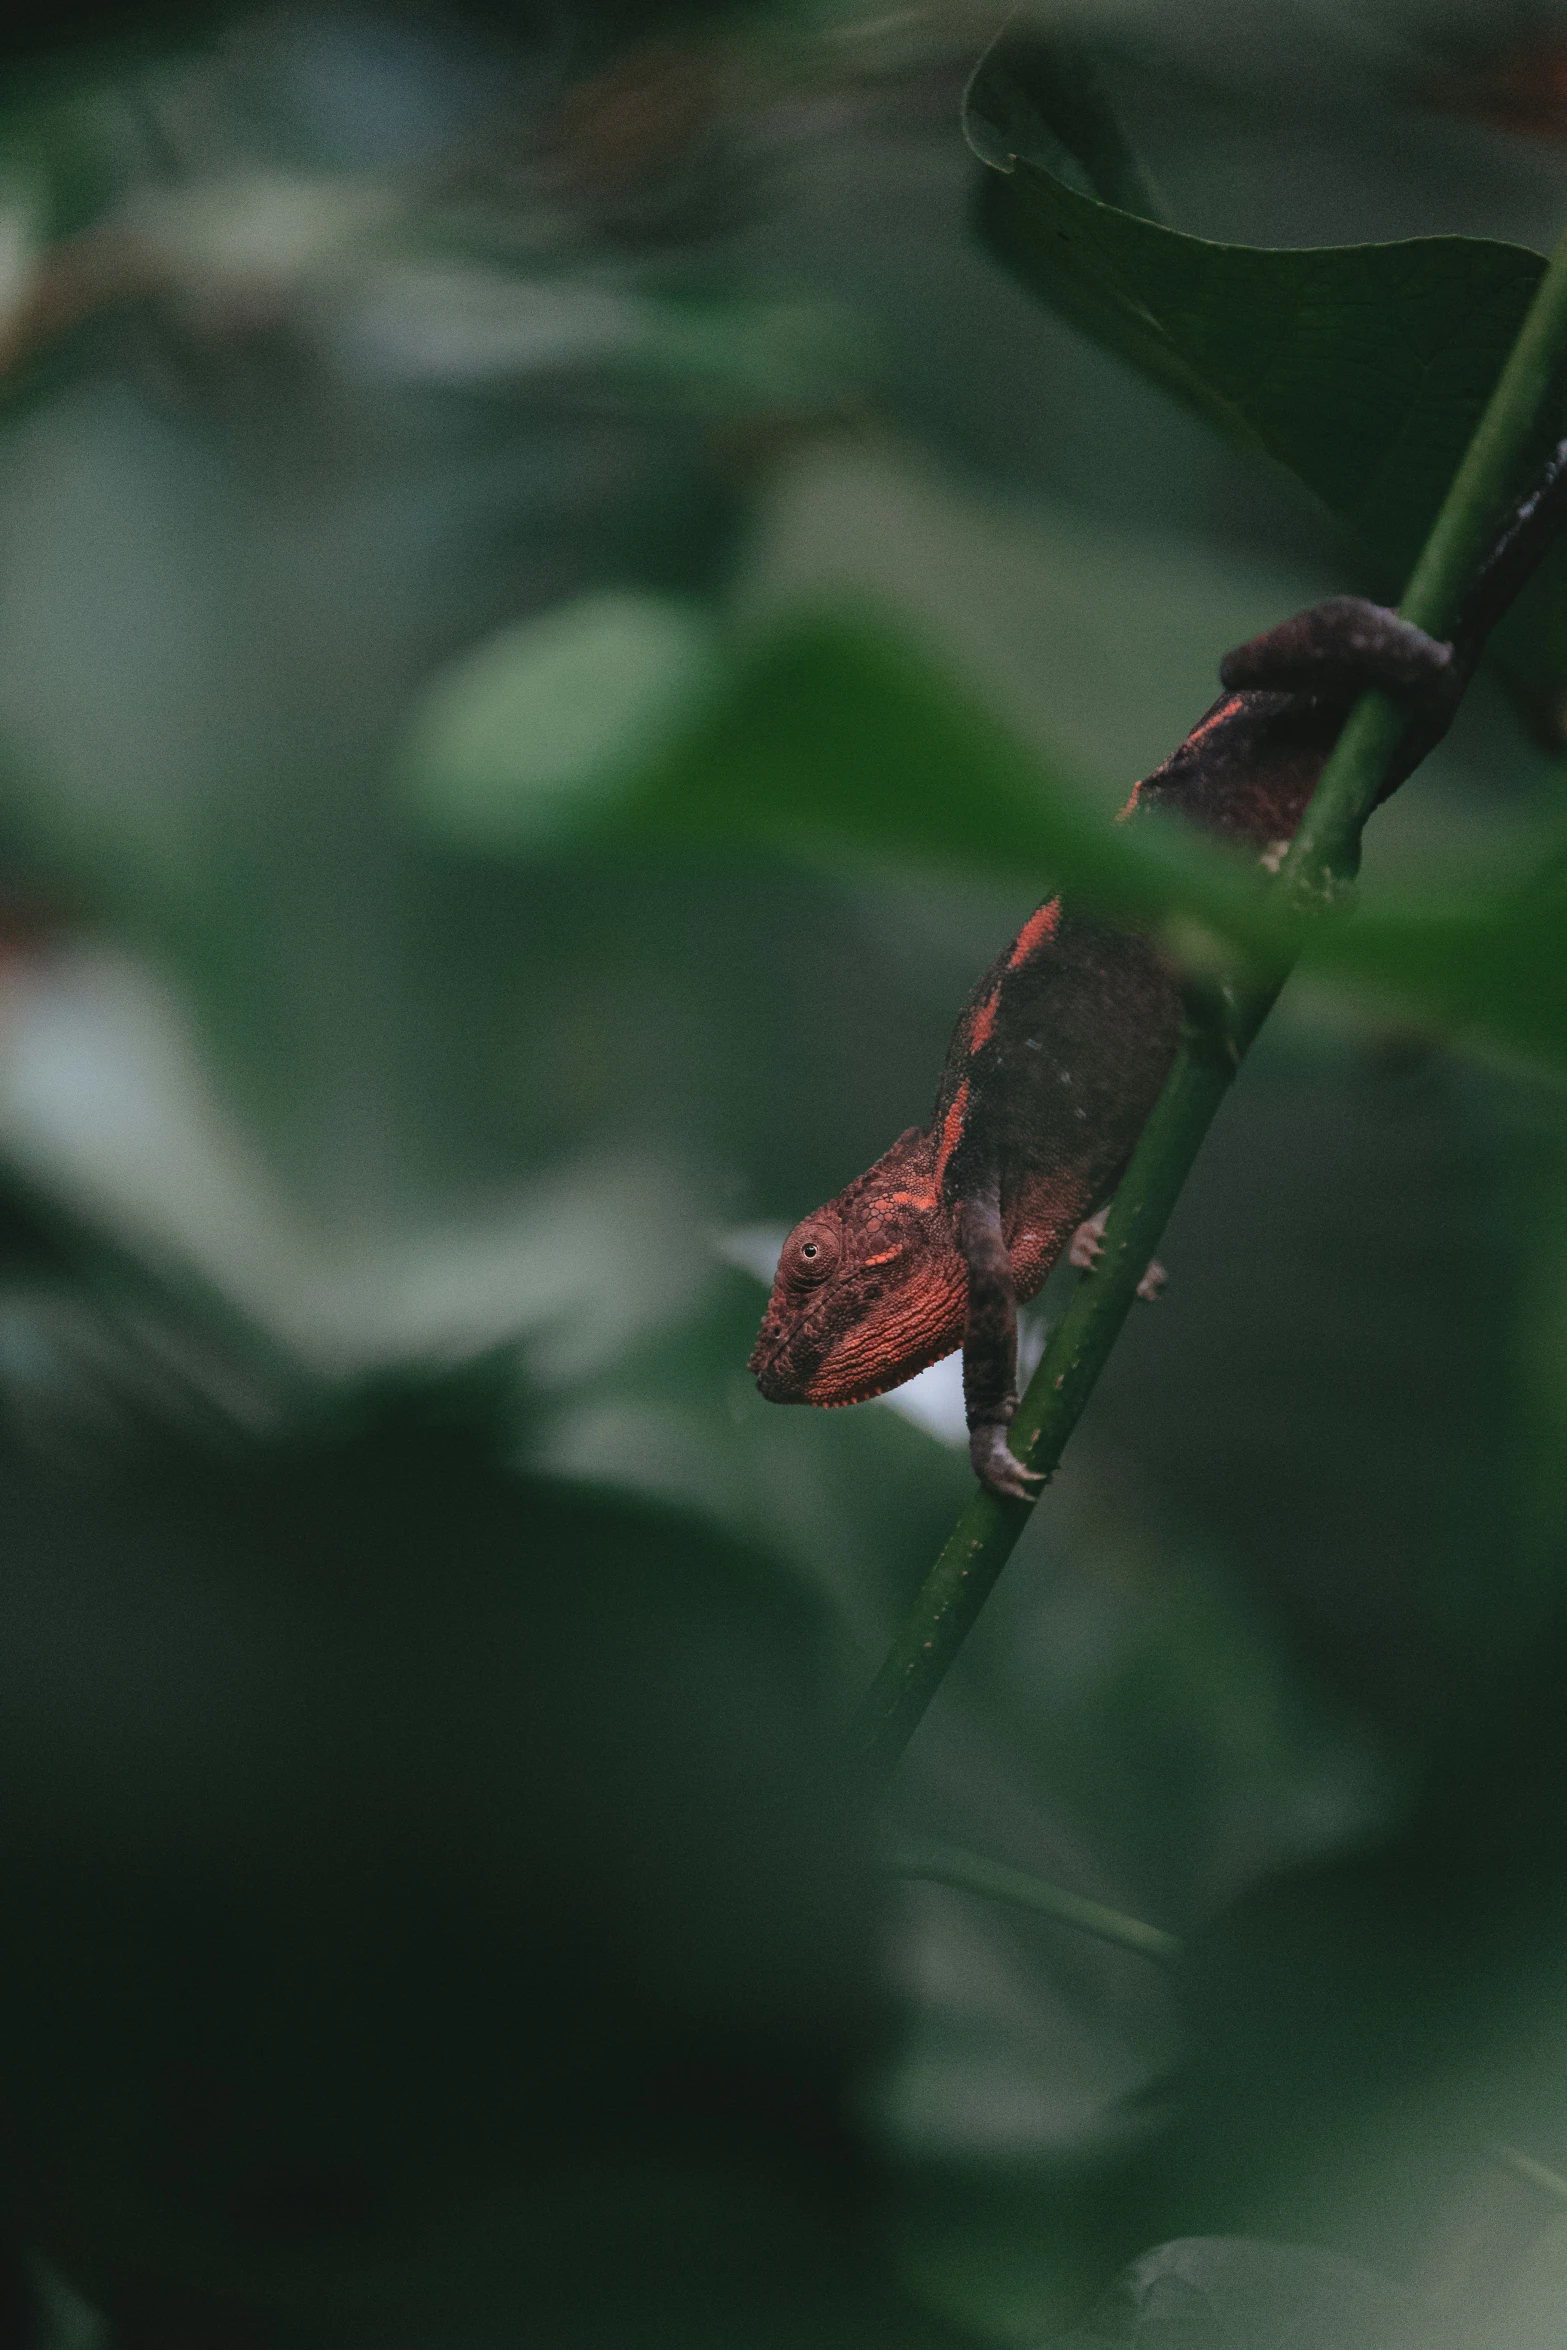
983 1023
1040 927
1200 731
1205 726
952 1129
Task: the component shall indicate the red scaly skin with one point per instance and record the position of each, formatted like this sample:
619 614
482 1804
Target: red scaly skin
1055 1063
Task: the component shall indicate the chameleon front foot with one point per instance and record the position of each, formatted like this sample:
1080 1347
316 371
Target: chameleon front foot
1088 1244
998 1468
1340 647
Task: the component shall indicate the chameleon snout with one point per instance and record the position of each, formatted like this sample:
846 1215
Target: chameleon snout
772 1373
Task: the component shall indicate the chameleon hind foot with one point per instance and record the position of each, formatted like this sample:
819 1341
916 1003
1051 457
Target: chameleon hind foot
1088 1245
998 1468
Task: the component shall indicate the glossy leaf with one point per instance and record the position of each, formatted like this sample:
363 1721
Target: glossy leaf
1362 369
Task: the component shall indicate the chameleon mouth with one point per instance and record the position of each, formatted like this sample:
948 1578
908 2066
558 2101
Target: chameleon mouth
773 1379
852 1372
828 1384
780 1381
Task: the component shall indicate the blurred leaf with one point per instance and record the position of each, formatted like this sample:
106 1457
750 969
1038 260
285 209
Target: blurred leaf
513 743
1497 972
1362 369
1222 2292
840 736
389 1684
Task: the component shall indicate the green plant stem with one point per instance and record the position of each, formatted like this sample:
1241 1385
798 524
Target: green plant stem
971 1873
1317 869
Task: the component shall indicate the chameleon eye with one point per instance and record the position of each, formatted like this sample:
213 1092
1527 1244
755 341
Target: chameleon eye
811 1253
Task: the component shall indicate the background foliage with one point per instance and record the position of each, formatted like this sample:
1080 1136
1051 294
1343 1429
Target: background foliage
554 609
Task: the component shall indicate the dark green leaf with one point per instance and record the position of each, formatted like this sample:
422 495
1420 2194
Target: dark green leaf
1362 369
1059 105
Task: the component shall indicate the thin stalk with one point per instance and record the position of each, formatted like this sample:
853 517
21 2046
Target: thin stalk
970 1872
1318 867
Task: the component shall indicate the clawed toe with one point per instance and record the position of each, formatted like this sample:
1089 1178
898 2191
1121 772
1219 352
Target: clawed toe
1088 1242
997 1467
1087 1247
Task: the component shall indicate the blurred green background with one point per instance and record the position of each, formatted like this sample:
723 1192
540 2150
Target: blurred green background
418 419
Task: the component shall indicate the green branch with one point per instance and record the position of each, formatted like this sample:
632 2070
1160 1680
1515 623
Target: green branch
945 1864
1317 870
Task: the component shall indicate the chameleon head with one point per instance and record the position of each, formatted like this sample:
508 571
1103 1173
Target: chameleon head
869 1289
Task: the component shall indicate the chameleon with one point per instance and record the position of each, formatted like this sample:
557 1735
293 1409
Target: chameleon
1066 1041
